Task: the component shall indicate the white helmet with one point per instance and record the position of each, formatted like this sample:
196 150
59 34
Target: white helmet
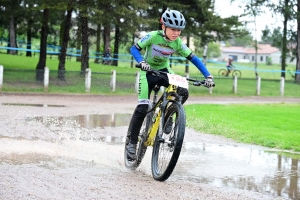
173 19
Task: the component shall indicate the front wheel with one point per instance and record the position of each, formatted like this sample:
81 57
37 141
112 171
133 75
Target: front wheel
236 73
141 147
168 143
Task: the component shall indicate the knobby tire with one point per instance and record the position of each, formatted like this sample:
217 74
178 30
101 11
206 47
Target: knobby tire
165 155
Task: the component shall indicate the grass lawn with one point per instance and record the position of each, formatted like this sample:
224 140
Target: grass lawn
269 125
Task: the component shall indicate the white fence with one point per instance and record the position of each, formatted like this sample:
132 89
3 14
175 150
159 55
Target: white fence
113 80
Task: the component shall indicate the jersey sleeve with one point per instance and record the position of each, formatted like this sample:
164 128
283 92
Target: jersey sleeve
146 40
183 50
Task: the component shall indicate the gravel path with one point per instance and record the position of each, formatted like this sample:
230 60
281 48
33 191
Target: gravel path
53 162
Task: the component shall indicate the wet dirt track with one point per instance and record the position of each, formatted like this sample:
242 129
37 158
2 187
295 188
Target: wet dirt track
46 154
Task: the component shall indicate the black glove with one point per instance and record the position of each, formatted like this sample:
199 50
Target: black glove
209 82
145 66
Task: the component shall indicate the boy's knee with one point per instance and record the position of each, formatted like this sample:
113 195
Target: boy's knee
141 110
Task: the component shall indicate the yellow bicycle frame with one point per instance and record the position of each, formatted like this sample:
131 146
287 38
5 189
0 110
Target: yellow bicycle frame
153 130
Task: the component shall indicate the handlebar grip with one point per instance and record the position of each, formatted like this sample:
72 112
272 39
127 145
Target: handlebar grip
140 67
199 83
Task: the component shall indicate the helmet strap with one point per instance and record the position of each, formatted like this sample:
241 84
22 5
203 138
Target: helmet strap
166 37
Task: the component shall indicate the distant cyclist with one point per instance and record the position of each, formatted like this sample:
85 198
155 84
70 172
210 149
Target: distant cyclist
106 56
159 46
229 65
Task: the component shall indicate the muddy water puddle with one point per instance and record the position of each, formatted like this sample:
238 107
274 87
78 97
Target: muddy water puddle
89 121
254 169
257 170
34 105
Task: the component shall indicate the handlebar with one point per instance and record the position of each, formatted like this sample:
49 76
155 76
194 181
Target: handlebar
195 82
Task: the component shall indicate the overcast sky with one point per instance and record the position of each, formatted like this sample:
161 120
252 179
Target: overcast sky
225 9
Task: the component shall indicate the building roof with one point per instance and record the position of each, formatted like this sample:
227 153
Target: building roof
262 49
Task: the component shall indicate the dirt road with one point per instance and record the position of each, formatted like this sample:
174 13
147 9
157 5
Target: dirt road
61 160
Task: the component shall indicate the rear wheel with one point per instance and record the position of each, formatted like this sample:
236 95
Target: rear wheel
167 145
223 72
141 147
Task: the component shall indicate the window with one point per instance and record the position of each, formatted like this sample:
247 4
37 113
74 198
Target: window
252 58
234 57
261 58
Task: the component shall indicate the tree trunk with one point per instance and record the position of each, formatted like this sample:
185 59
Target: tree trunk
43 46
85 39
106 37
64 45
284 47
116 46
79 36
297 74
29 36
12 35
98 43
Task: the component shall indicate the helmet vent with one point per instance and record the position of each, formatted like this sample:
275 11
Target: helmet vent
176 22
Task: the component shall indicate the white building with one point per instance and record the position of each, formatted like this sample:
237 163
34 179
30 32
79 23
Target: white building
247 54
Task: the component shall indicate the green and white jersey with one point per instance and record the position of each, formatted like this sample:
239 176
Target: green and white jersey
159 50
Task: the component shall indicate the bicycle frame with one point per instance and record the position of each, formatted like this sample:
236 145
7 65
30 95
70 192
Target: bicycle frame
167 96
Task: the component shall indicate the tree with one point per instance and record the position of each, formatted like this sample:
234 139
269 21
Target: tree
12 8
201 21
84 37
266 37
244 41
272 37
65 40
126 21
213 50
30 22
284 8
43 46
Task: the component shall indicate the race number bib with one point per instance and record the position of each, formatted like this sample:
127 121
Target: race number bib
178 80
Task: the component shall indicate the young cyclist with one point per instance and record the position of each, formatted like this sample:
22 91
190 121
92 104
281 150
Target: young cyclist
159 45
229 65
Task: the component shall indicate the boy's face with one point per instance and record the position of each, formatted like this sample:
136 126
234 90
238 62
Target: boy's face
172 33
